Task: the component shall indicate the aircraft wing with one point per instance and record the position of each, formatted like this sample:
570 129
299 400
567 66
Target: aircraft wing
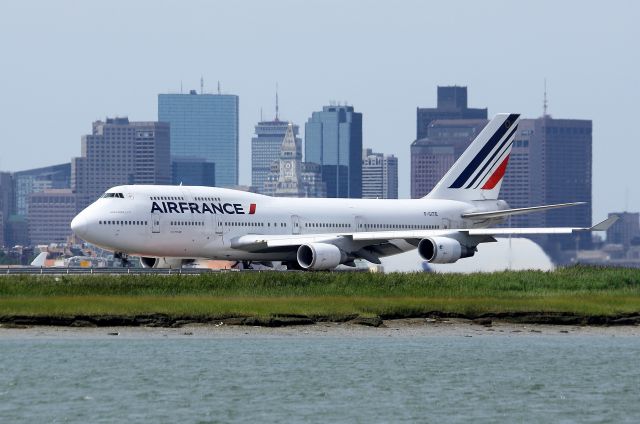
255 242
381 241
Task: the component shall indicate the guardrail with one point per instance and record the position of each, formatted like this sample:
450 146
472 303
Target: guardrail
102 271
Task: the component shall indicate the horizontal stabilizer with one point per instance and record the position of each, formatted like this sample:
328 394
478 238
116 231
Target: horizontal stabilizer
606 224
517 211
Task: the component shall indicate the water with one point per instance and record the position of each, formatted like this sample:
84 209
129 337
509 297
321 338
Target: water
370 379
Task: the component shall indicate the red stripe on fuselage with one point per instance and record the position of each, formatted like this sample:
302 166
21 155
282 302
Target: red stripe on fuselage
252 209
497 175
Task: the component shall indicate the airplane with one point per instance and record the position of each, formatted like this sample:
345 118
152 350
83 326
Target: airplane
40 260
168 226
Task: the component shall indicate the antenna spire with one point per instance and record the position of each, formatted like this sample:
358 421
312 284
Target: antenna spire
201 84
219 87
277 109
545 104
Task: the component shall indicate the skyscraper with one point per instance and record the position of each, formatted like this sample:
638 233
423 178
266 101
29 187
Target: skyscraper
265 148
452 104
379 175
50 212
38 179
433 155
333 139
626 230
193 171
551 163
204 126
120 152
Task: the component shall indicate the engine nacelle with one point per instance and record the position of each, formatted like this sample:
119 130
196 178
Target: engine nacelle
318 256
148 262
443 250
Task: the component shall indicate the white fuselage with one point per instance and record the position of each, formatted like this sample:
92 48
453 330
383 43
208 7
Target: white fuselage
203 222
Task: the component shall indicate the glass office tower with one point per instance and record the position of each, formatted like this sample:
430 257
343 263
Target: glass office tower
203 126
333 139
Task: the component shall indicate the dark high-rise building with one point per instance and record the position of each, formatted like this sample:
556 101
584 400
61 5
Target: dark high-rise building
265 149
193 171
433 155
16 231
626 230
551 163
452 104
333 139
120 152
204 126
36 180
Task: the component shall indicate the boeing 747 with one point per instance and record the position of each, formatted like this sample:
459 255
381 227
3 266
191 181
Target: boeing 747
168 226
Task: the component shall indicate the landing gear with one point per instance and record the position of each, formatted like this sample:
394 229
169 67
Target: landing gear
254 265
242 265
124 259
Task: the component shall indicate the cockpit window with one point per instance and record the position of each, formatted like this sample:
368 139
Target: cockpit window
118 195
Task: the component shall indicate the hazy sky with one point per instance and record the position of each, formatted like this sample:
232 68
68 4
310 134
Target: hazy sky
65 64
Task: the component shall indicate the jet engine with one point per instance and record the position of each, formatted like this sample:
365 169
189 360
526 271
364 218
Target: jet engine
148 262
443 250
319 256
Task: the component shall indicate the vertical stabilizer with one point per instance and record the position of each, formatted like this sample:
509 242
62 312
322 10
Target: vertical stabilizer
478 173
39 261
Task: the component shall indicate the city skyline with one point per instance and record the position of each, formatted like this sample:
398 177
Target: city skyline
590 74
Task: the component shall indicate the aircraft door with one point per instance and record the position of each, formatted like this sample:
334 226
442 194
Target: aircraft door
359 224
155 222
448 224
295 224
218 223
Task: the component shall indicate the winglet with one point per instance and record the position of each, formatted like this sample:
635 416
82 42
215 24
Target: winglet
606 224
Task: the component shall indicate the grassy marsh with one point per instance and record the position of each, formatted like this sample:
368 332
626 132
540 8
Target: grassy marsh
584 291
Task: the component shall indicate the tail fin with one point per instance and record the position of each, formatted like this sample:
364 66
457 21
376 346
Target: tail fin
40 259
478 173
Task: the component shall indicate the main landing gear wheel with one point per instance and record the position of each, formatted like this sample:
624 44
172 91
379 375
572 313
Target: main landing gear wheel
124 259
242 265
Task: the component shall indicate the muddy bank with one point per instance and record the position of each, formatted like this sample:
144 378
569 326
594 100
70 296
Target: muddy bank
160 320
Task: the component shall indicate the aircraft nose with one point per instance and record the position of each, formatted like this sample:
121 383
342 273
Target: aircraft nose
79 225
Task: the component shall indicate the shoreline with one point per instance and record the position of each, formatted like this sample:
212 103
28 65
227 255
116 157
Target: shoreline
408 327
432 319
275 321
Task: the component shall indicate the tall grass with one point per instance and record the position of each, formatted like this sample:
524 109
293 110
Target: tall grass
579 290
